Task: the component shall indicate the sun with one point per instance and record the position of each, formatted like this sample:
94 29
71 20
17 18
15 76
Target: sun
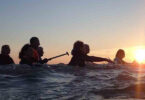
139 55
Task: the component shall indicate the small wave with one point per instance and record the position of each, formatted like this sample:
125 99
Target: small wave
61 81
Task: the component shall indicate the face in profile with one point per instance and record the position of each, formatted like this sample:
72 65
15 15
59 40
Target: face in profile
40 51
36 43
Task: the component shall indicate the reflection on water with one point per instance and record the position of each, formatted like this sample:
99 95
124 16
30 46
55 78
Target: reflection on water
66 82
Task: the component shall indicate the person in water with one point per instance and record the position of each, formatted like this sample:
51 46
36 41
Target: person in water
79 55
93 58
41 52
119 57
34 43
26 55
4 56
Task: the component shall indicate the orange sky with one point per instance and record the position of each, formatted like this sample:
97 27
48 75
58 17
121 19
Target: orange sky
105 25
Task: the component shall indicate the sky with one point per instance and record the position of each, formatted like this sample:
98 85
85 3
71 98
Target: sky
106 25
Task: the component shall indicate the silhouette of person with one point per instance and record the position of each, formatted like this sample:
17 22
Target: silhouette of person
26 55
41 52
79 55
78 58
119 57
4 56
34 43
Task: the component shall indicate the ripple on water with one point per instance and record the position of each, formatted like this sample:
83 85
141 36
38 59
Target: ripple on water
65 82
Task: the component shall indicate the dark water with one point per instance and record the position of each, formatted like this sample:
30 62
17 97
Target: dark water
61 82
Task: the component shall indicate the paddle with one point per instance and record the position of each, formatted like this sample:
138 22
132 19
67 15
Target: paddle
58 56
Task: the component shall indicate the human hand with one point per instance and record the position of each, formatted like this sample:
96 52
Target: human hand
45 60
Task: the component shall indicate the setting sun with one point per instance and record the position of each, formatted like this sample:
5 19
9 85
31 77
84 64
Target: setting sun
140 55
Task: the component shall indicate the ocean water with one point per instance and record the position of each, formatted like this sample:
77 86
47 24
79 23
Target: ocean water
62 82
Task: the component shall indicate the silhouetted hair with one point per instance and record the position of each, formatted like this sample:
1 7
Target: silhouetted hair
24 48
120 53
33 39
78 45
87 48
4 47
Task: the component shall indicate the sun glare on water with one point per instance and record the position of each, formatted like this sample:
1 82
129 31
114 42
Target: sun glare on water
139 55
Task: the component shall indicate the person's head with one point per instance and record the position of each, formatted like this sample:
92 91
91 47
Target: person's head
40 51
77 48
26 51
120 54
5 50
78 45
86 48
34 42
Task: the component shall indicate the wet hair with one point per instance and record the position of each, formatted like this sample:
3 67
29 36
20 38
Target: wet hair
77 47
33 39
4 47
23 50
120 53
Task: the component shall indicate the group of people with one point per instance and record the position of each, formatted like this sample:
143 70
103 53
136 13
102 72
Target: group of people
32 53
80 55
